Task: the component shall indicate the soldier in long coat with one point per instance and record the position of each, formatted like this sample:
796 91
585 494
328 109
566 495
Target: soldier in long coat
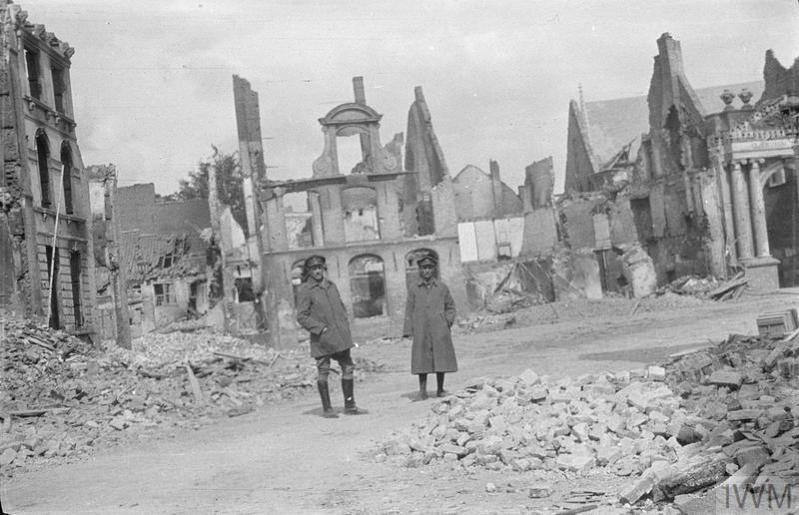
429 315
321 311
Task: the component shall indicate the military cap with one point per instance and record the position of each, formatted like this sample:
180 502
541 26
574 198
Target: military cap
313 261
427 256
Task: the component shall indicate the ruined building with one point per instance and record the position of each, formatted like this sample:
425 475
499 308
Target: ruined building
46 263
369 221
700 177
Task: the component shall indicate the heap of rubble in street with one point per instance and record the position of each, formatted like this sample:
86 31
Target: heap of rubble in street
62 398
720 416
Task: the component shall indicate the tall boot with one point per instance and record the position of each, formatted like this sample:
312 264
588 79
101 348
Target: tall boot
327 407
347 386
440 391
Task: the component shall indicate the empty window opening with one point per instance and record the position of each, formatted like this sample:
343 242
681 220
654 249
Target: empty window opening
43 155
34 76
244 290
642 217
777 178
59 88
164 294
350 155
197 298
299 220
66 162
360 214
74 272
367 286
52 278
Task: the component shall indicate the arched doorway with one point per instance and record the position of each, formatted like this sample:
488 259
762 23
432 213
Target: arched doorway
367 286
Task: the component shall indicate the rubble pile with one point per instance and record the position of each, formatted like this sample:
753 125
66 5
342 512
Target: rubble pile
709 288
61 397
614 422
718 416
744 396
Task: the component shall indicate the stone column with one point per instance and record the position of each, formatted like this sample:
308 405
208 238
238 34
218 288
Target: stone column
743 224
316 219
726 201
758 207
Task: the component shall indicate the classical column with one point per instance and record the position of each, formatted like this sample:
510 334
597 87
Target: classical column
758 207
726 201
743 224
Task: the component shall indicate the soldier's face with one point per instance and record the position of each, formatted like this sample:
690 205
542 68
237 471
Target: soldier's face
426 270
317 272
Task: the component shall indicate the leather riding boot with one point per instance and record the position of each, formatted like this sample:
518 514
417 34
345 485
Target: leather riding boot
327 407
347 386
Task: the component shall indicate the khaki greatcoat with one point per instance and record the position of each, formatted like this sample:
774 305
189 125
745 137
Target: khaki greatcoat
429 315
319 306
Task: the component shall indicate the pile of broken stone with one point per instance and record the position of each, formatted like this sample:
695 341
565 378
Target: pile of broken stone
718 415
61 397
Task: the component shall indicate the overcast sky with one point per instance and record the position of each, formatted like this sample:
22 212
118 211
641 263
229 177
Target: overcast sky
152 80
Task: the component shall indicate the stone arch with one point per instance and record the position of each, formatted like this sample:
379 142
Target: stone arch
367 286
771 170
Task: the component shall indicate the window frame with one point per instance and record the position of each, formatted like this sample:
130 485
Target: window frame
167 295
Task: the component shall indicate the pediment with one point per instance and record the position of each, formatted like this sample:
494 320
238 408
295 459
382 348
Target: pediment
351 113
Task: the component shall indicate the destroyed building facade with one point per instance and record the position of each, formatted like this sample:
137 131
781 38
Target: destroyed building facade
46 252
369 222
159 251
700 177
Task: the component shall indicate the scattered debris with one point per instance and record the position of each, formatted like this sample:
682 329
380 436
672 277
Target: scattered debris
62 397
715 416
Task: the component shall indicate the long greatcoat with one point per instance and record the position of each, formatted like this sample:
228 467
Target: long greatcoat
319 306
429 314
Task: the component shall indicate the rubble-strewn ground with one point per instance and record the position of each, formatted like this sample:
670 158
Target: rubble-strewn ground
284 458
62 399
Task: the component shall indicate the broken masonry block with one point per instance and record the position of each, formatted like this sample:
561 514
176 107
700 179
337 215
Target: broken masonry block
726 378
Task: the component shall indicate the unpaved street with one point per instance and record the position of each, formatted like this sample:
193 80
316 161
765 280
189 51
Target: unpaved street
287 459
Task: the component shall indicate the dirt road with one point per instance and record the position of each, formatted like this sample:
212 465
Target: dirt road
287 459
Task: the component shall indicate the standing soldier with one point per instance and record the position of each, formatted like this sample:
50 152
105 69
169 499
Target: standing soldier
321 311
429 315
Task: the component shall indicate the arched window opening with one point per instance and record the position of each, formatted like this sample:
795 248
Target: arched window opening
66 169
42 155
359 206
367 286
411 264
